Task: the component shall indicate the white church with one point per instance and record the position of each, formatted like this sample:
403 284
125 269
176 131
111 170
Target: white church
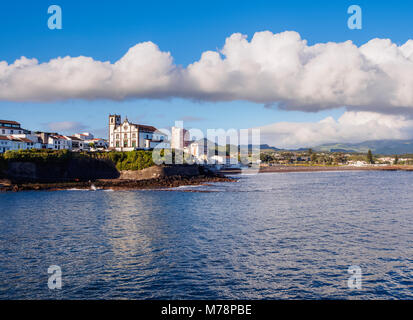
127 136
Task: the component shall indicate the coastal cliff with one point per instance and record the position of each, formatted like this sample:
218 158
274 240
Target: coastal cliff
66 171
89 169
69 170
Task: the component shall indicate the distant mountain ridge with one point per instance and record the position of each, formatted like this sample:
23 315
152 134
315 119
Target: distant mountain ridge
385 147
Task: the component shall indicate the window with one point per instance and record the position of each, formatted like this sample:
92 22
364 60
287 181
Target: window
111 120
134 135
117 136
125 136
134 143
125 143
117 144
11 131
3 131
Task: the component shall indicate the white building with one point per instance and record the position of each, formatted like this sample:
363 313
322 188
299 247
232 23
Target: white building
77 144
178 138
8 143
127 136
14 137
357 163
97 143
59 142
8 128
87 139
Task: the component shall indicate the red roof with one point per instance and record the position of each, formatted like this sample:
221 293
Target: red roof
144 127
11 138
58 136
9 122
74 138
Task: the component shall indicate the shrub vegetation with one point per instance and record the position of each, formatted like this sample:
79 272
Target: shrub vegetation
132 160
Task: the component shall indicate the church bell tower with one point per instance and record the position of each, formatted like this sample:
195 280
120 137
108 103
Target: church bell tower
114 121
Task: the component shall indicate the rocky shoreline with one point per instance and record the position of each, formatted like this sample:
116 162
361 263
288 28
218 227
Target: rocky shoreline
115 184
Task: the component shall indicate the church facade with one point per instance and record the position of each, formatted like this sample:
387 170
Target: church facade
127 136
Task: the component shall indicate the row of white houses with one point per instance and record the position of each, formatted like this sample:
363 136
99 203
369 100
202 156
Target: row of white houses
14 137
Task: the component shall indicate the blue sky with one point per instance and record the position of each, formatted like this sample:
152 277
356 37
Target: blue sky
105 30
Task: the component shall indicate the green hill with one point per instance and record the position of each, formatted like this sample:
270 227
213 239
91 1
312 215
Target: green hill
385 147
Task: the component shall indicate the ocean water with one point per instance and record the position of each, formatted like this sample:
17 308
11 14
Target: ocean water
266 236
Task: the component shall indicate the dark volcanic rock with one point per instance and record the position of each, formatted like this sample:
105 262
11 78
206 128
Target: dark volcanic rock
122 184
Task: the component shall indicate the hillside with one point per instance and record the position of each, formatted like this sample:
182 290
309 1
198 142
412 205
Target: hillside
385 147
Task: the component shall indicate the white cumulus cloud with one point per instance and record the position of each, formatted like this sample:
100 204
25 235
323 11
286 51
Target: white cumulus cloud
270 68
350 127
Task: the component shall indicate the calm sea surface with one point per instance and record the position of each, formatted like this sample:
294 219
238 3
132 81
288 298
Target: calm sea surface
267 236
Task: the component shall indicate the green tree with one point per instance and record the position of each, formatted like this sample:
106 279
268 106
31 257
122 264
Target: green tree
370 157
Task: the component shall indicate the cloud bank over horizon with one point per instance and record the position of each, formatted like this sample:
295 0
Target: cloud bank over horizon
273 69
351 127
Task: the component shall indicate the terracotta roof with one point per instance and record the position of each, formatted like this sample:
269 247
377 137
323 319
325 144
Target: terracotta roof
75 138
9 122
57 136
11 138
145 127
